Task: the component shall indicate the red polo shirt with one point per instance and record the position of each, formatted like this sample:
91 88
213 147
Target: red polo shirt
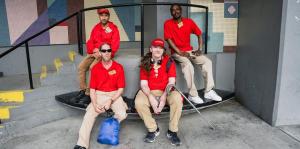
99 36
181 36
161 81
107 80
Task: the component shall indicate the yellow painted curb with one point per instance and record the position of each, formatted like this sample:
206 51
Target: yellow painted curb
57 64
4 113
72 55
12 96
7 91
43 72
1 126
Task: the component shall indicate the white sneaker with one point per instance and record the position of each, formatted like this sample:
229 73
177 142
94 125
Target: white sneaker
212 95
195 99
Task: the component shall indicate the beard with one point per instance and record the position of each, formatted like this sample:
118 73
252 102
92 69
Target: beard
104 22
176 16
106 59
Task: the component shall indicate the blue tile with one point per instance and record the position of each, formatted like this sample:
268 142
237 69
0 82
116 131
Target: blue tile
4 31
126 16
57 11
231 10
199 19
216 42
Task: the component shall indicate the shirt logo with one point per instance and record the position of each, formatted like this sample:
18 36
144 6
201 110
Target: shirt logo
112 72
108 30
180 24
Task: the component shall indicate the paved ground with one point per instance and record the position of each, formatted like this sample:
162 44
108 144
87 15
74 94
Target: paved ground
237 128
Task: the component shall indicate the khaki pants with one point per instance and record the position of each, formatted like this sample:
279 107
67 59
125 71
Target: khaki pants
119 107
142 105
85 65
188 71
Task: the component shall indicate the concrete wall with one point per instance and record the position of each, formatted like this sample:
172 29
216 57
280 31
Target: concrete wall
287 110
257 55
155 16
150 19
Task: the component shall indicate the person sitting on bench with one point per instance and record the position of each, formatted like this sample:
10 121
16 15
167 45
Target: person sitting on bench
157 71
104 32
106 85
177 32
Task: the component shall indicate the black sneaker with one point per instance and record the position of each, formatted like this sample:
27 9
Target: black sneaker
150 137
172 136
85 100
79 147
76 99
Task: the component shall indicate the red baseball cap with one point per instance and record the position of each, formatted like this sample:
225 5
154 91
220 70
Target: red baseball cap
158 42
103 10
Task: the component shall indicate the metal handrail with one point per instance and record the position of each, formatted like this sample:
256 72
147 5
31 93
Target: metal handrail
78 15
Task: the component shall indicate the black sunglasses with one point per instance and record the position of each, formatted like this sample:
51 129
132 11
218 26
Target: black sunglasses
104 51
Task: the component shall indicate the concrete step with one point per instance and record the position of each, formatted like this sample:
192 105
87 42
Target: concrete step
19 82
38 108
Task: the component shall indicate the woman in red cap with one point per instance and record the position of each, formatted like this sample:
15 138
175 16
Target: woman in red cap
157 71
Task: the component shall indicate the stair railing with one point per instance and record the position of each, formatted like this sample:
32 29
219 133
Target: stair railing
78 15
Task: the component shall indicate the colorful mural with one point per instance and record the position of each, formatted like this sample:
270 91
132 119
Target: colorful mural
35 15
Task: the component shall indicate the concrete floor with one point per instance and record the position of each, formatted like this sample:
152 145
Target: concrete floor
237 128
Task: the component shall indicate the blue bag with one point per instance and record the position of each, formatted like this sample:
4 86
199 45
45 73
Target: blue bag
109 131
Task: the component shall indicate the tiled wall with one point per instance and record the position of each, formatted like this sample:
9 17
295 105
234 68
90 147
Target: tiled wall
223 20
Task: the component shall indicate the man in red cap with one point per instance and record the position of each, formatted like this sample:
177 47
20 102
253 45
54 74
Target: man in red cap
157 71
177 32
104 32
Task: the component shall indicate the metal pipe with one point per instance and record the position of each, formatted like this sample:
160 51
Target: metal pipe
206 29
169 88
142 30
29 65
92 8
79 32
139 4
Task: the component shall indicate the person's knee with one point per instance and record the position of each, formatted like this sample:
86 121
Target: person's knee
176 100
81 68
186 65
139 103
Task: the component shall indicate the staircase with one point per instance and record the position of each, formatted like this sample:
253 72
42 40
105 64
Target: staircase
25 109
